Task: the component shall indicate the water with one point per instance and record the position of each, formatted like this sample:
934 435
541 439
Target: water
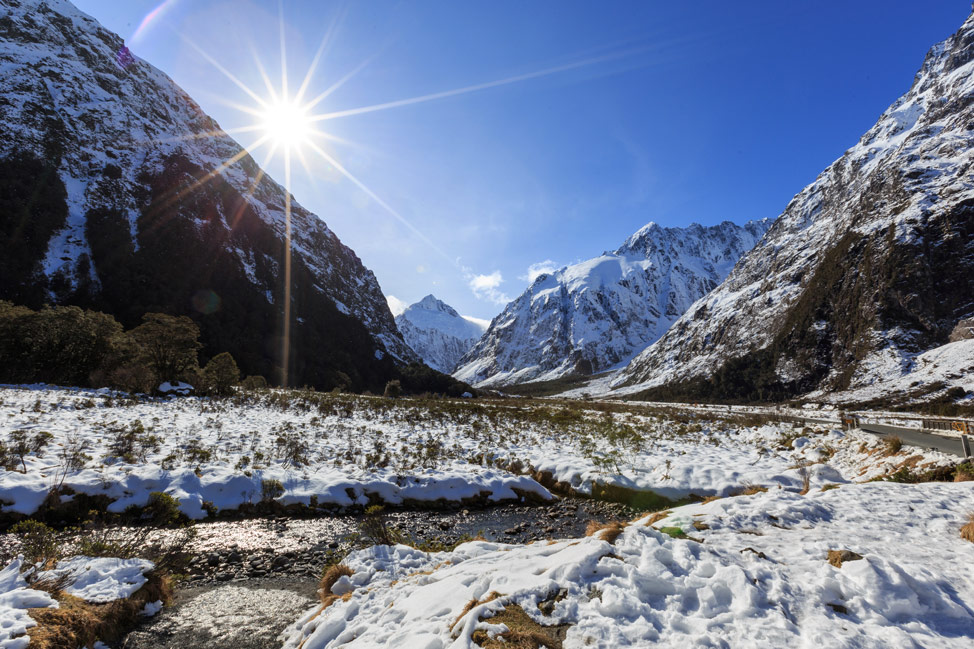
252 578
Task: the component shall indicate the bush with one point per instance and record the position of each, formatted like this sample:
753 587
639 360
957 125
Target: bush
255 382
38 541
393 389
271 489
220 375
168 344
375 527
162 509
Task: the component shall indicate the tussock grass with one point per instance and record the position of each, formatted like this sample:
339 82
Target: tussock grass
522 633
657 517
80 624
892 445
609 531
491 596
838 557
329 578
967 531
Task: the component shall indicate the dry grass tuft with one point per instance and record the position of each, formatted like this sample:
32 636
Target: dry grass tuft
750 490
892 445
657 517
967 532
78 624
522 633
838 557
700 526
491 596
963 475
331 576
610 531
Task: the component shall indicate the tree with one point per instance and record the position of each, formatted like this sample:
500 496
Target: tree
168 344
220 375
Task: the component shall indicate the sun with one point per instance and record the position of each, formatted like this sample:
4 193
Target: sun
286 123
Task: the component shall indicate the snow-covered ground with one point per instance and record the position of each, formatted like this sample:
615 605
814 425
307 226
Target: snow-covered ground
95 580
754 574
343 450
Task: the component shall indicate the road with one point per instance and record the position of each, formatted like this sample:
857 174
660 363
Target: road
915 437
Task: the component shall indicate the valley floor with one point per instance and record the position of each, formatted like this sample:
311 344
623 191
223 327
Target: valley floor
748 567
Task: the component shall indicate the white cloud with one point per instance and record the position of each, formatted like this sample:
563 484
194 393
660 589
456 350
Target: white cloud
541 268
486 287
396 305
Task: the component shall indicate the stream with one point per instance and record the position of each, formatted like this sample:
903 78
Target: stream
249 579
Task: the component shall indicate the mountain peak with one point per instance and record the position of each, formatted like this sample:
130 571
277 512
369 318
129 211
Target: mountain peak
437 333
597 314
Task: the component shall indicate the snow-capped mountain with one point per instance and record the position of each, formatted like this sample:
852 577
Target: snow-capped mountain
867 268
133 208
595 315
437 333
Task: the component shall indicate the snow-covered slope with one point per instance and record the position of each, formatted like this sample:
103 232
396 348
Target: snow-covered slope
125 144
868 267
597 314
437 333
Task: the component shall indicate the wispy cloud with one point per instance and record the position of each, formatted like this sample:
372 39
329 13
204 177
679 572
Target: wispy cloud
487 287
541 268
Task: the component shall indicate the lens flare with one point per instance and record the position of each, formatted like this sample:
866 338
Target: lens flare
287 123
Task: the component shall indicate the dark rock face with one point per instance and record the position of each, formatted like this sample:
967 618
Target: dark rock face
110 200
870 265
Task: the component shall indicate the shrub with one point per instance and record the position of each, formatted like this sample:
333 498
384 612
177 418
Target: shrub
168 344
271 489
220 375
375 527
162 509
38 542
393 389
255 382
22 445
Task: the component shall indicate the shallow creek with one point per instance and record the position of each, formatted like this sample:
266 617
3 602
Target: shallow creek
249 579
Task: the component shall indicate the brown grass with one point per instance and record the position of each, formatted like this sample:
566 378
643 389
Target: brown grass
967 532
610 531
657 517
491 596
892 445
750 490
522 633
962 475
78 624
700 526
331 576
838 557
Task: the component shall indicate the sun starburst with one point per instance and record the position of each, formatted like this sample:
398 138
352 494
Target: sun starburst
288 124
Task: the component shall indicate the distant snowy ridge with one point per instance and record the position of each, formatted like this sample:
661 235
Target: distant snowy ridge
867 268
596 315
437 333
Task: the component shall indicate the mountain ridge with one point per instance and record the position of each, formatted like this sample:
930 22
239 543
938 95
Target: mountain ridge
867 268
597 314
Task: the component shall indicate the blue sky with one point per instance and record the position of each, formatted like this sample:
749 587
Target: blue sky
657 111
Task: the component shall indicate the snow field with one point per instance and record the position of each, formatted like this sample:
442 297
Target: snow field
757 575
339 450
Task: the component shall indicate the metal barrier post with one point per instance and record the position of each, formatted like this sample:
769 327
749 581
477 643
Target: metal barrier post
966 444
